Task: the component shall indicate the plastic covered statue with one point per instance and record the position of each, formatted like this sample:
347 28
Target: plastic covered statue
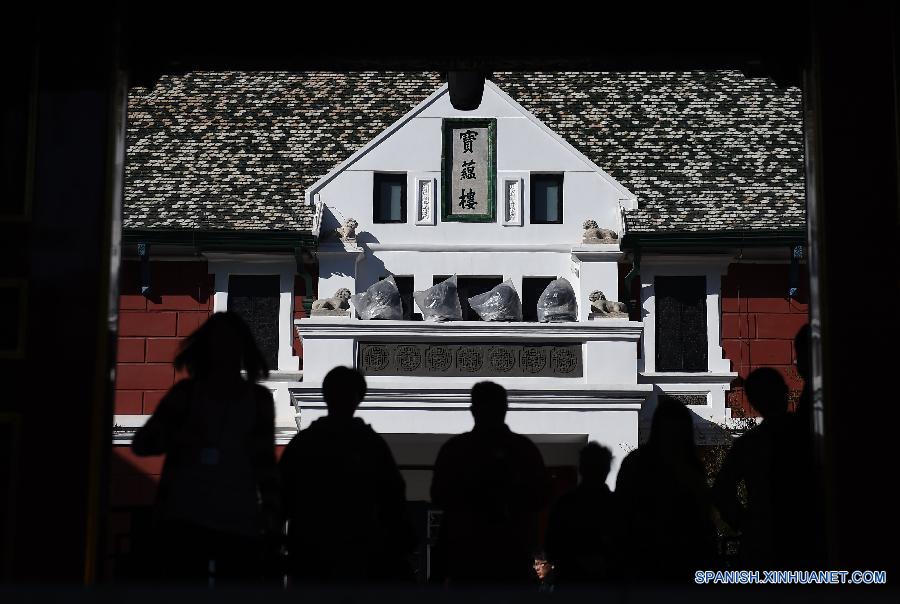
557 303
501 303
441 302
380 301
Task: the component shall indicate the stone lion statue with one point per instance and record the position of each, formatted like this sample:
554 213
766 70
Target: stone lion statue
594 234
601 306
348 231
340 301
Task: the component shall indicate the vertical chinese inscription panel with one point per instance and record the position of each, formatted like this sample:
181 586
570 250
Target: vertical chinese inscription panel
469 170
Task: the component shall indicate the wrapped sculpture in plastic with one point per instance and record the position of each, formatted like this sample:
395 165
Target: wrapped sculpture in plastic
441 302
557 303
380 301
502 303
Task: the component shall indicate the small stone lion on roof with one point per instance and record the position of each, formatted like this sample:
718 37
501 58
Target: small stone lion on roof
607 308
594 234
348 231
340 301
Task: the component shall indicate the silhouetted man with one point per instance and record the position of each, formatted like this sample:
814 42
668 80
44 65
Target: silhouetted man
580 533
345 499
797 490
491 484
752 459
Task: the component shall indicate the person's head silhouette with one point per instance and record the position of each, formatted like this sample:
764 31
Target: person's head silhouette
767 392
220 349
344 389
594 462
802 344
488 404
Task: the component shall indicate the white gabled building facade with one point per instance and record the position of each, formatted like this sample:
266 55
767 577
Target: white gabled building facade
419 405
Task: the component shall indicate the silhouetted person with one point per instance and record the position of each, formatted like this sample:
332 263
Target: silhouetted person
753 460
799 525
491 484
666 516
344 496
218 492
581 530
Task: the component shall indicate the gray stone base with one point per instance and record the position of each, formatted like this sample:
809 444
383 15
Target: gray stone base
607 315
329 313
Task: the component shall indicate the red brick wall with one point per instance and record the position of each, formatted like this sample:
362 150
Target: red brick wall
759 323
151 328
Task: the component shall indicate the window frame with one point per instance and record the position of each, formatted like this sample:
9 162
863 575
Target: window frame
713 268
525 313
560 203
377 179
224 265
698 279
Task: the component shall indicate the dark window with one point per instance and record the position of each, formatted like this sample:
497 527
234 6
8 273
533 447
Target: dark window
532 288
405 285
255 298
546 198
390 198
468 287
680 323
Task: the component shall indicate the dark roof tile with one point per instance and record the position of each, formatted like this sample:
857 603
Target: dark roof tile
701 150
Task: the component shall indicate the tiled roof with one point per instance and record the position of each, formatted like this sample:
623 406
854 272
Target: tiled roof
701 150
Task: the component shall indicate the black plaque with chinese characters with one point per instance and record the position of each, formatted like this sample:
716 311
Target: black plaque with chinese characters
477 359
469 170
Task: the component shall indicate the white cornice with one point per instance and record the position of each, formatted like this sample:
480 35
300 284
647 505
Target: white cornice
283 376
123 436
687 377
468 247
341 327
437 397
604 252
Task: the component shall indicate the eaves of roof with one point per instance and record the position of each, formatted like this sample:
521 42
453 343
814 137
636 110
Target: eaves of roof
224 240
712 240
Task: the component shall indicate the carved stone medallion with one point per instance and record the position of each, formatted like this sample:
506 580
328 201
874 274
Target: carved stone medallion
469 359
438 358
502 360
564 360
376 358
532 359
408 358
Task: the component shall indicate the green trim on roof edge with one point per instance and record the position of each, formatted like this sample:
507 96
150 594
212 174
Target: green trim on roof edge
207 240
695 240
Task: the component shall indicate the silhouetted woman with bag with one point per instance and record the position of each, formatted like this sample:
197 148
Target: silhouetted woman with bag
218 493
665 511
